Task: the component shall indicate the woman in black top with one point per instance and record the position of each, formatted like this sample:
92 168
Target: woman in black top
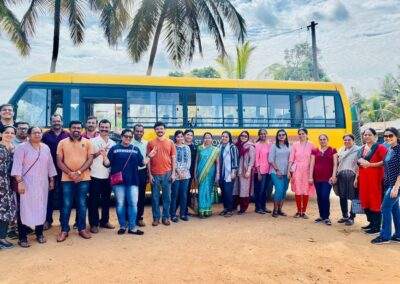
390 204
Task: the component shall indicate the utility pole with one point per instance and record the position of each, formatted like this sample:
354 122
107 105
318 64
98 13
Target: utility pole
314 49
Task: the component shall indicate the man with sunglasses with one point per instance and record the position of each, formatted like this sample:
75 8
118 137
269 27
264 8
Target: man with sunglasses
21 134
100 189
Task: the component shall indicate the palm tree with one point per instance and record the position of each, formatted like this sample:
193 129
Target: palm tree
180 20
74 9
237 69
10 25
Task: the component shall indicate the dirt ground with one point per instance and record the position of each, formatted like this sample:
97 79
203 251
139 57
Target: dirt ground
251 248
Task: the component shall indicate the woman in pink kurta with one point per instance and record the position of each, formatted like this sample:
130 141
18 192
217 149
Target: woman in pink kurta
299 168
34 170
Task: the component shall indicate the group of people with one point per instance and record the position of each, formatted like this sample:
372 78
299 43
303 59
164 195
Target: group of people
83 166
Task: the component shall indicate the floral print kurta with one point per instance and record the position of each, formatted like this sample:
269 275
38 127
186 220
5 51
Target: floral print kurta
8 205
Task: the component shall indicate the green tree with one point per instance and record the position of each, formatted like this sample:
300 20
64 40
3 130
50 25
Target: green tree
10 25
205 72
298 66
181 22
236 69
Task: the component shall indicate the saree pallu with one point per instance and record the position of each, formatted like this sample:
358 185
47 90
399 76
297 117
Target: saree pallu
206 177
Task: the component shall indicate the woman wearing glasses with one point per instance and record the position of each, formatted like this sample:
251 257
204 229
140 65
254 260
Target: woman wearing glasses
243 188
124 160
323 166
279 161
390 204
299 171
370 177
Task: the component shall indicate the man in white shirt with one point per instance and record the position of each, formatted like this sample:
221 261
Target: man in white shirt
100 188
138 141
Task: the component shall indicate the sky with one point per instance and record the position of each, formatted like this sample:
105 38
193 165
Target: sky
359 43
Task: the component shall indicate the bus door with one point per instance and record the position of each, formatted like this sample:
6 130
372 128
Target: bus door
110 110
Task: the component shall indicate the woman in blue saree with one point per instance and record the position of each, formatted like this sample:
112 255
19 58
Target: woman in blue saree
207 174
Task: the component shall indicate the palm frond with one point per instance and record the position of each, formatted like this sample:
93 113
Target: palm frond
142 28
206 16
243 54
235 20
113 19
226 66
76 19
30 17
12 27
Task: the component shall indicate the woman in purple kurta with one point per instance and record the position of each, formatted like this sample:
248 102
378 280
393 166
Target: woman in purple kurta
33 168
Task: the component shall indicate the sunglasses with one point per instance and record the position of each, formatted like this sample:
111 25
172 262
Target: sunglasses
128 136
388 135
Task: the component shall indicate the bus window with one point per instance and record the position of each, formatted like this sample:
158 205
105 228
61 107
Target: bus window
141 108
31 107
231 116
279 111
330 114
319 111
55 103
74 104
255 110
205 110
169 109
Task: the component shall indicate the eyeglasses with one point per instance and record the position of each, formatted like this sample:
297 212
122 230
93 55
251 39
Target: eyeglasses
22 129
244 136
127 136
388 136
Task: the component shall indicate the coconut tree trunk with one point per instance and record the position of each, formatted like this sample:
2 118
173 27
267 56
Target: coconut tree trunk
155 41
56 35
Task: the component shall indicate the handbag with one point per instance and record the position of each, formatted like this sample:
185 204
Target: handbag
216 196
117 178
194 200
356 207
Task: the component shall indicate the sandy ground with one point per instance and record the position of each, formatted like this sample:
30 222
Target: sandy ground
250 248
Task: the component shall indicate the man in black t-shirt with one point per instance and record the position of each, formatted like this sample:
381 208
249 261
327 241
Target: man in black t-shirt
189 134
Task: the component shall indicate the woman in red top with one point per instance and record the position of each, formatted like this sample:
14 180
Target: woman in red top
370 177
323 167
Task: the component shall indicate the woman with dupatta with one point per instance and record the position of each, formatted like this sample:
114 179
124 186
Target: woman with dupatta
370 179
207 174
243 188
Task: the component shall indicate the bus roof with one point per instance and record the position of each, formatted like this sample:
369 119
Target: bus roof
105 79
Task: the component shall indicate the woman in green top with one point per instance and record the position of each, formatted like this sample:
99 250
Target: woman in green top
207 174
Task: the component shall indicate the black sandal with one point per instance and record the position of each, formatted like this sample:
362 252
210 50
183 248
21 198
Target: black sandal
41 239
24 244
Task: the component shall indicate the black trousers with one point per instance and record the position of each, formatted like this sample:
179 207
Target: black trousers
142 194
23 233
3 229
54 200
99 195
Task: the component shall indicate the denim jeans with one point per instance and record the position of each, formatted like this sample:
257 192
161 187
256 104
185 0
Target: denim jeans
227 194
323 191
260 191
161 183
78 191
179 189
281 184
390 206
126 196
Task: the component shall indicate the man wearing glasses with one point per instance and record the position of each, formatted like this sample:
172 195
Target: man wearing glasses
6 116
100 189
21 135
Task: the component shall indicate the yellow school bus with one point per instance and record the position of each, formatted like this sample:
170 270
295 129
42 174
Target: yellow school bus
211 105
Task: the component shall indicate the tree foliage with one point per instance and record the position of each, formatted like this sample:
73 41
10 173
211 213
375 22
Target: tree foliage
298 66
383 104
205 72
